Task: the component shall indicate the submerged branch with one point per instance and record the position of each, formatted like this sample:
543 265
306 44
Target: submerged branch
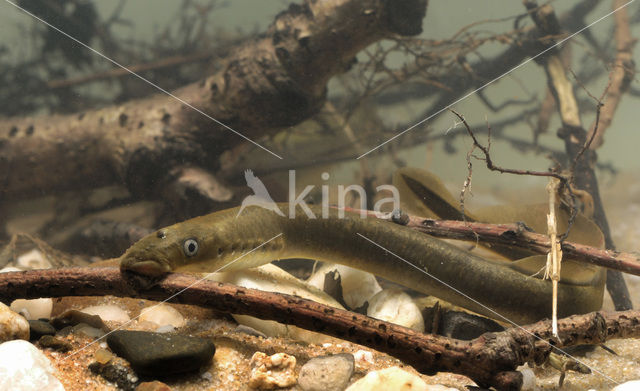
490 360
516 235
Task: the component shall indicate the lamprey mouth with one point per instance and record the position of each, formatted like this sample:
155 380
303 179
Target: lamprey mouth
143 274
145 268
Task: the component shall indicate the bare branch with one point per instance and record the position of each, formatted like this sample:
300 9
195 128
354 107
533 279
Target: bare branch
490 360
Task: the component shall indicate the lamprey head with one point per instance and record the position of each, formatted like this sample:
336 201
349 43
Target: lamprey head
196 245
161 252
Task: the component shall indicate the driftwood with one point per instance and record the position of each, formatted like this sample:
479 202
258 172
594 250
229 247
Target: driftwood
490 360
573 132
515 235
277 80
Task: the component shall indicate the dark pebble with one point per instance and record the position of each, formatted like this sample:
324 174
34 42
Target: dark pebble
158 354
460 325
122 376
74 317
58 344
38 328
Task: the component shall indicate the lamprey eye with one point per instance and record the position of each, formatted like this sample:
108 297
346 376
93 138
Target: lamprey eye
190 247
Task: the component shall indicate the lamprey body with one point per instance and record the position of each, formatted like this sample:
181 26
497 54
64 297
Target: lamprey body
216 241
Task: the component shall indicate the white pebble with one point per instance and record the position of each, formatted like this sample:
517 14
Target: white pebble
395 306
167 328
33 309
108 312
363 356
12 325
33 259
8 269
357 286
207 376
528 378
632 385
392 378
24 368
162 315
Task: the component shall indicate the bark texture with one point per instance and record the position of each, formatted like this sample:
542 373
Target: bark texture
277 80
490 360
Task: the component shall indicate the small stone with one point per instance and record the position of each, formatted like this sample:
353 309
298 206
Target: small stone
357 286
38 328
461 325
108 313
161 354
162 315
58 344
34 308
33 259
271 372
528 378
116 373
628 386
392 378
103 356
328 373
153 386
24 368
363 356
395 306
12 325
249 331
75 317
89 331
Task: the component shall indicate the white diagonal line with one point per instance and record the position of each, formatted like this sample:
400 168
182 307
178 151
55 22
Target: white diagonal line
143 79
497 78
482 305
170 297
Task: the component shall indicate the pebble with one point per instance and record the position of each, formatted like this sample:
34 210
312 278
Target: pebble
528 378
363 356
24 368
161 354
395 306
89 331
357 286
153 386
328 373
271 372
38 328
632 385
33 309
75 317
33 259
12 325
103 356
58 344
108 313
464 326
162 315
122 376
393 378
249 331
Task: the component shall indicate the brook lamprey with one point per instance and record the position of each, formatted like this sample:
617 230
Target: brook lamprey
216 241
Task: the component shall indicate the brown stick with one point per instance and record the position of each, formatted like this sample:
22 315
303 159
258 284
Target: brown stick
517 236
577 142
490 360
621 75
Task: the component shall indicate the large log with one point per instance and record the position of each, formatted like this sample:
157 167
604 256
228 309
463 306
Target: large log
276 80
